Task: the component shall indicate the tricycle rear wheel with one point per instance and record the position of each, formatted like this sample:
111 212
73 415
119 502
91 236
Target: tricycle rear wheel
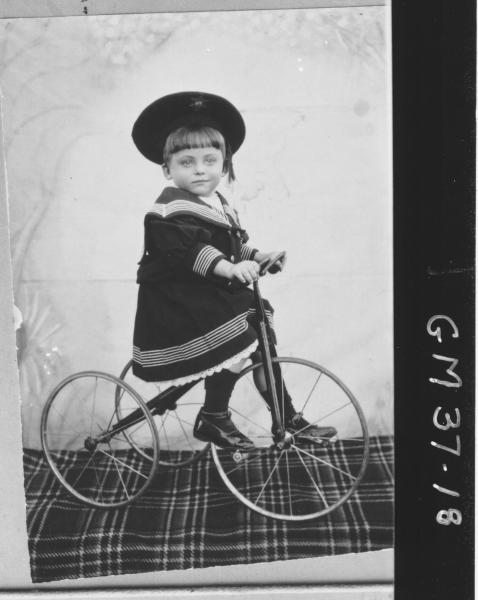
87 454
174 425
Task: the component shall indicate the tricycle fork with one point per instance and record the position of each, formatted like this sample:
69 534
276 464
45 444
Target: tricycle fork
264 346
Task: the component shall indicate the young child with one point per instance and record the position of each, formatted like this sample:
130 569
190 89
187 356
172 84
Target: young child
192 321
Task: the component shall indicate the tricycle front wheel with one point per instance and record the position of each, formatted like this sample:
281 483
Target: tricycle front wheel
296 478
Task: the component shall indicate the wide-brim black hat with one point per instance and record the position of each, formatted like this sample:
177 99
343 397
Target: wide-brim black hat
168 113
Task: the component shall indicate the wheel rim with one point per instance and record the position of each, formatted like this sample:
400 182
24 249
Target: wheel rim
178 446
91 461
302 480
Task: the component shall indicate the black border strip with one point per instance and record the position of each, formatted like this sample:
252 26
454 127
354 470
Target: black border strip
434 66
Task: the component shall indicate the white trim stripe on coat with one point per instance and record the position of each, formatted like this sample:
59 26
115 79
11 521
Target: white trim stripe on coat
269 315
246 252
193 348
204 259
178 207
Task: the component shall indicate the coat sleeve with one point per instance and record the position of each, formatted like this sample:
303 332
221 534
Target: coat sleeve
182 243
248 253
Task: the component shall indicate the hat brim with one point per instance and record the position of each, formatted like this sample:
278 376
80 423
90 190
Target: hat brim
165 115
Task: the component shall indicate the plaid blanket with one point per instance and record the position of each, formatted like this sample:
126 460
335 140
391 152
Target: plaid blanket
188 519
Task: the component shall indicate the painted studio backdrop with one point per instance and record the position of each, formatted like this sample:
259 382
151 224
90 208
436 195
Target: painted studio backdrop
313 178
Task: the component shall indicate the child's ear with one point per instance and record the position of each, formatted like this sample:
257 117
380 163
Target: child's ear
166 172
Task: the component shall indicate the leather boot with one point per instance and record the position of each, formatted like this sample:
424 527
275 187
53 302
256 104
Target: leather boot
303 430
219 429
294 421
213 423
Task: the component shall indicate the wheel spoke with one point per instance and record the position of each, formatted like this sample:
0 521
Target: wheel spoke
288 482
322 418
163 429
247 461
270 477
83 469
100 485
163 420
137 428
312 390
62 418
184 431
120 476
319 491
118 439
70 437
247 419
114 458
113 414
94 406
183 420
66 433
316 458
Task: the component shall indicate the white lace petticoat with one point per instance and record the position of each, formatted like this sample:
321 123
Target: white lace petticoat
201 375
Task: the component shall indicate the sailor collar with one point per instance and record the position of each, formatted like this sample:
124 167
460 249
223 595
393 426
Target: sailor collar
174 202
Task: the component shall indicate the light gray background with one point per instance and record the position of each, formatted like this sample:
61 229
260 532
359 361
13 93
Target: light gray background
313 178
341 568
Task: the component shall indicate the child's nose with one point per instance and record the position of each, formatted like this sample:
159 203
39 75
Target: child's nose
199 167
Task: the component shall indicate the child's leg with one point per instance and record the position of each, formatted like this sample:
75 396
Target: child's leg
214 422
293 420
285 401
219 388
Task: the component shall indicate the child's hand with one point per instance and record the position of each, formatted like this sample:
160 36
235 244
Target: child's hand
246 271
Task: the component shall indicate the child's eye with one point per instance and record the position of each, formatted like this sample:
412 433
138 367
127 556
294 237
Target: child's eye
211 160
186 163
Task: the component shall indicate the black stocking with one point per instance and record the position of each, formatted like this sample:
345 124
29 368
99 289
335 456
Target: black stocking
218 391
281 390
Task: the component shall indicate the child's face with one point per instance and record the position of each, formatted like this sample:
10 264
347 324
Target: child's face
197 170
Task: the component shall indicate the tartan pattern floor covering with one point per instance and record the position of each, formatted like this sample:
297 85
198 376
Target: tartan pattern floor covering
189 519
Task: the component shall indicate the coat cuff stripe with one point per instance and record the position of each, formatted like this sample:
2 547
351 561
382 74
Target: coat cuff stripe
247 253
205 258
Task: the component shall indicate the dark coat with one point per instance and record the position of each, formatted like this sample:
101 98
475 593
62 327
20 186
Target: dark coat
189 320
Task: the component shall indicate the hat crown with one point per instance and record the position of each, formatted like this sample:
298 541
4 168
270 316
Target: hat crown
168 113
198 102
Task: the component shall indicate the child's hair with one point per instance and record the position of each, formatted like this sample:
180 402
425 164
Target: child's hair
198 136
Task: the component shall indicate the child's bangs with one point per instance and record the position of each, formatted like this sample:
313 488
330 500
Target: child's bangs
201 137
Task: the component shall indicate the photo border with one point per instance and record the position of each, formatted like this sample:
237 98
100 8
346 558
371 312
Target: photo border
65 8
300 570
448 565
